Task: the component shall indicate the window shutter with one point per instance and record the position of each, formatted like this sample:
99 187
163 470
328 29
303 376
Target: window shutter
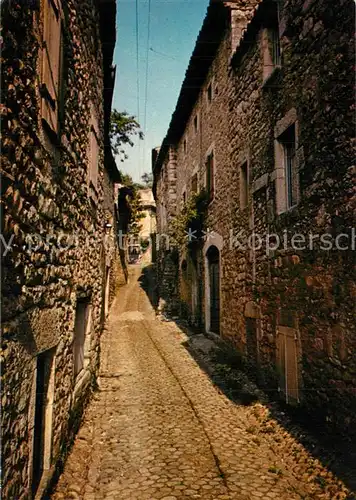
51 63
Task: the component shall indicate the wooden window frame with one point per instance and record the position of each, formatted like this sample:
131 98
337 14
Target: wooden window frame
51 67
271 51
275 47
286 172
290 170
83 329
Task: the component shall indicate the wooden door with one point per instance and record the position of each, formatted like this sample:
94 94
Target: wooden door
287 363
291 369
214 297
41 453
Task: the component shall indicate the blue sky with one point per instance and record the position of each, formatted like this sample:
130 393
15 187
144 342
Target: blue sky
174 28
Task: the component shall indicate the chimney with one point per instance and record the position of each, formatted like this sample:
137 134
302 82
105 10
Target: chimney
242 12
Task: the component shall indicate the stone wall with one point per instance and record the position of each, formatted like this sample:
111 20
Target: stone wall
206 129
57 233
167 258
308 293
315 287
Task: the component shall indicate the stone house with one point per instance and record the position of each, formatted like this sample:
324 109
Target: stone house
148 221
148 208
59 248
264 124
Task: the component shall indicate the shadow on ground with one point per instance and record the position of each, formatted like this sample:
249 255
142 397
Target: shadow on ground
223 366
148 283
335 452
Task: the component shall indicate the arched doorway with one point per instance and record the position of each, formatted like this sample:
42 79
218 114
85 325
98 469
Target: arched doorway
213 258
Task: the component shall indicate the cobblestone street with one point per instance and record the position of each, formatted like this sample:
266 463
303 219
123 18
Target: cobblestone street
158 428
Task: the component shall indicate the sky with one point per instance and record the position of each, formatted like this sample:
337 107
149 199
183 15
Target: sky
174 27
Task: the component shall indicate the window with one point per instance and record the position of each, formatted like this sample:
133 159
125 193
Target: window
243 185
210 175
286 163
209 93
194 187
51 59
93 153
196 123
184 197
271 49
185 145
288 142
275 47
81 334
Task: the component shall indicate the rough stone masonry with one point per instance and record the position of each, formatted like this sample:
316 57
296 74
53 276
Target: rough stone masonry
264 124
58 220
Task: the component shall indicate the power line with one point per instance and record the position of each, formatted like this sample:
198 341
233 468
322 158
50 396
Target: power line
138 83
146 81
147 63
137 65
163 54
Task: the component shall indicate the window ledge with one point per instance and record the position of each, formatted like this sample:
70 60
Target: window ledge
260 183
270 79
288 211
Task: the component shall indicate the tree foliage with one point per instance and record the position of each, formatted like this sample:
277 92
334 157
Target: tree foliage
123 128
133 203
147 179
136 215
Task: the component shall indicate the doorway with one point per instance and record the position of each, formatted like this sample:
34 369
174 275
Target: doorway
42 432
252 340
287 363
213 257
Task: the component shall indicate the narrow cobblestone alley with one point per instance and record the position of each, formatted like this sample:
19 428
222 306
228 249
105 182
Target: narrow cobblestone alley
158 428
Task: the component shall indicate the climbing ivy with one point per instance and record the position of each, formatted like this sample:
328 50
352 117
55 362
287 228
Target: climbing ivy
190 220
